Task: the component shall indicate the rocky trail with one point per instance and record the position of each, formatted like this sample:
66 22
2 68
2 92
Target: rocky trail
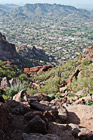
39 117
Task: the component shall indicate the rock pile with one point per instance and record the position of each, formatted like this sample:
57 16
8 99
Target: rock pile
40 117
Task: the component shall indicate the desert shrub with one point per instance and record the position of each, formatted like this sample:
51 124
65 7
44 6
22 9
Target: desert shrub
89 102
10 74
81 83
71 95
31 91
23 76
51 86
58 95
5 96
11 91
84 95
87 61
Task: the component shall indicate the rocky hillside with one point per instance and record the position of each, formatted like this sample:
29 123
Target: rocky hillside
56 104
23 56
34 53
67 76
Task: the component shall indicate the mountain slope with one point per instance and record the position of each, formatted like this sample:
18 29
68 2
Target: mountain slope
54 11
72 76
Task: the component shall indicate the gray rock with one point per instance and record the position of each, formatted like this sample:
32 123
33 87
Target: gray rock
36 125
21 96
4 83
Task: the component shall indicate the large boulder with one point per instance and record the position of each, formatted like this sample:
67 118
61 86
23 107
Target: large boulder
37 125
5 83
17 107
60 130
62 111
81 115
21 96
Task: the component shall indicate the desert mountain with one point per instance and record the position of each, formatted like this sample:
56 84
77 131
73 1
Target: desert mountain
50 10
29 11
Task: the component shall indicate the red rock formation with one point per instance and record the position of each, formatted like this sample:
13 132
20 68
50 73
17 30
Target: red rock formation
31 70
45 68
35 69
69 80
27 70
75 74
38 69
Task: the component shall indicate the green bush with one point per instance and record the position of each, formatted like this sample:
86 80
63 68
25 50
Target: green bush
11 91
23 76
71 95
87 61
31 91
58 95
84 95
89 102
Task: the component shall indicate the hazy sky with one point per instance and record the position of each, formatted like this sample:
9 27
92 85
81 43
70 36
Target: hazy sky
67 2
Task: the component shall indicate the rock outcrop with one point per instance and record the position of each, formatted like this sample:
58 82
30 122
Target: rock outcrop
7 50
63 87
30 52
38 69
4 83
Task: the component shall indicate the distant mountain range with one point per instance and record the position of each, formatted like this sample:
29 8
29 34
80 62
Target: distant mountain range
43 10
